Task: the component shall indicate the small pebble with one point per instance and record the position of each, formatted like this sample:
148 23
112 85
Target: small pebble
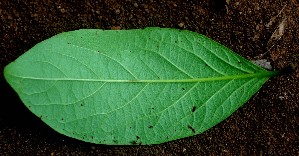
181 24
117 11
263 63
136 5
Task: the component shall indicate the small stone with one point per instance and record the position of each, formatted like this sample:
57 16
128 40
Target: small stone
62 10
117 11
263 63
136 5
181 24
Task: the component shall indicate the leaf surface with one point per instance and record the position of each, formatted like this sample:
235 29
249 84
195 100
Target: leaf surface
143 86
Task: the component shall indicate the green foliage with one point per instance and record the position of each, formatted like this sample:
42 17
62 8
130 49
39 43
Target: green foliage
132 87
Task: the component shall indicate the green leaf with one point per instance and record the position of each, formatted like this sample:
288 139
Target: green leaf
133 86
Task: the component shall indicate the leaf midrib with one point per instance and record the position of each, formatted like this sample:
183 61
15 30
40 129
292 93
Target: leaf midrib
204 79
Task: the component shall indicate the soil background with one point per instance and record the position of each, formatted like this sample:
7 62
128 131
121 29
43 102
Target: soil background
266 125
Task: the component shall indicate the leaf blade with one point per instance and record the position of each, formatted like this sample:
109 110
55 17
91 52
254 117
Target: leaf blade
144 87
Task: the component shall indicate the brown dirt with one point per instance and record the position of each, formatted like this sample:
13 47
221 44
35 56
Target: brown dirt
269 29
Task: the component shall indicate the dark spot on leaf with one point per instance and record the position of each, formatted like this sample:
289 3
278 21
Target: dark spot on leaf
175 130
137 137
81 104
98 51
175 41
153 108
91 137
83 138
193 108
130 127
150 126
41 116
115 141
157 46
133 142
206 64
183 88
61 118
191 128
68 43
104 140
